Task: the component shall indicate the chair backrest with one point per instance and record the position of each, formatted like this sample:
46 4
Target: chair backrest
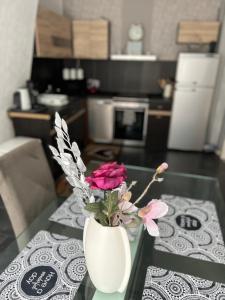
26 183
6 231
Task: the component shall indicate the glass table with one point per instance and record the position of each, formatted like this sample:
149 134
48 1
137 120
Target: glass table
184 185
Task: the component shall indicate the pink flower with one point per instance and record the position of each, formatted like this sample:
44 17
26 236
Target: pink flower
124 216
154 210
108 176
127 207
162 168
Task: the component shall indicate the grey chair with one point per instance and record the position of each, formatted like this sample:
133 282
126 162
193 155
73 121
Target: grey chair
26 183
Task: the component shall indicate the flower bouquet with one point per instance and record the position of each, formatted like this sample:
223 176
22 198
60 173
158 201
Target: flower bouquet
110 217
116 207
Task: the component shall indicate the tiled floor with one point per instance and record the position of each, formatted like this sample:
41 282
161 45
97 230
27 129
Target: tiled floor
185 162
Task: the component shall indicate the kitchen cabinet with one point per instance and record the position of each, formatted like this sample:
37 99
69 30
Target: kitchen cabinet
91 39
198 32
41 125
53 36
158 125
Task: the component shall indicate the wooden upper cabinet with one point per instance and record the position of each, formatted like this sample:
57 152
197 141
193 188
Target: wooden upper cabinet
91 39
53 35
198 32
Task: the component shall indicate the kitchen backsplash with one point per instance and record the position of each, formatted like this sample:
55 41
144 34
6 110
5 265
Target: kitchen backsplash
115 76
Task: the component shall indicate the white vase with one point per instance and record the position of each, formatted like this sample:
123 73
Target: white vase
108 257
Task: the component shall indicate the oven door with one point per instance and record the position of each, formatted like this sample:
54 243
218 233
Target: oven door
130 123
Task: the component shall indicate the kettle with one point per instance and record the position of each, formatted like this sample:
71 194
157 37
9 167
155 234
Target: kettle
21 99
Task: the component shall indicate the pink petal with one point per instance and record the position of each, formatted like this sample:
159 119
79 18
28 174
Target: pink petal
100 173
107 183
127 207
88 179
158 209
126 219
108 165
117 172
162 168
152 228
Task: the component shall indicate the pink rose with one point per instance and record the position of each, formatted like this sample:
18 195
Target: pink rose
108 176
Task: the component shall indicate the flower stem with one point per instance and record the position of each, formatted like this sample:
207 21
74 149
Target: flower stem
146 189
108 196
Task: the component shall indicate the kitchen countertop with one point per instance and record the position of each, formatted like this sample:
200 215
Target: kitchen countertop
153 98
76 103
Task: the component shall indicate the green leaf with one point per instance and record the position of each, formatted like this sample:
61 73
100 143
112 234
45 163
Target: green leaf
102 218
94 207
111 202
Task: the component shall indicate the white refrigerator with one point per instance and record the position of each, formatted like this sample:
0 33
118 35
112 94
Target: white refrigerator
195 81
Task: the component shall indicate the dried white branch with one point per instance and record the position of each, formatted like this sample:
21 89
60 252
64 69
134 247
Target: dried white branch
68 157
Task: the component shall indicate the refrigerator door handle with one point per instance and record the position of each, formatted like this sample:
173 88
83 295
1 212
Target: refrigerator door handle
185 90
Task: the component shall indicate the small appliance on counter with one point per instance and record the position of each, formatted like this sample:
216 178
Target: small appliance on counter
21 99
167 86
53 100
93 85
25 99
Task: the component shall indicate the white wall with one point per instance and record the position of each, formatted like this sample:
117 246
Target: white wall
218 107
159 17
94 9
54 5
166 16
17 21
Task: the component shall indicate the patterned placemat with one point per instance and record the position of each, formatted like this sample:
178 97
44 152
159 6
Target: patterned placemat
70 213
51 266
191 228
161 284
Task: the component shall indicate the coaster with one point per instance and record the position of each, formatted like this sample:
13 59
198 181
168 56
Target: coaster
191 228
70 213
51 266
162 284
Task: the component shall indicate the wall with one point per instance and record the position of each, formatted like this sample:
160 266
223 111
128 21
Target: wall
129 77
111 10
115 76
54 5
165 18
160 19
216 133
17 19
134 12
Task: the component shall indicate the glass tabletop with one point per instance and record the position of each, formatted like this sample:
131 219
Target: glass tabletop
183 185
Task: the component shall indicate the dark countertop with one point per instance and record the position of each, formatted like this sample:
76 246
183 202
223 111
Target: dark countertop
76 105
77 102
154 99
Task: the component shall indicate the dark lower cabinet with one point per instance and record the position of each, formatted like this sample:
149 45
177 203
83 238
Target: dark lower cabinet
157 133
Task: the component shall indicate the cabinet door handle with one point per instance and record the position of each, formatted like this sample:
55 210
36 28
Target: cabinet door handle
162 113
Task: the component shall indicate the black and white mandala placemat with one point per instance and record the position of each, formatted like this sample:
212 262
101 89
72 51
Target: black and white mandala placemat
191 228
51 266
161 284
70 213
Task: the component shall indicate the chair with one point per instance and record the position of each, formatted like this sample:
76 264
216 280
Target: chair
26 183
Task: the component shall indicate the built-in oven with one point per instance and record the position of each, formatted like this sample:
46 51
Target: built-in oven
130 121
